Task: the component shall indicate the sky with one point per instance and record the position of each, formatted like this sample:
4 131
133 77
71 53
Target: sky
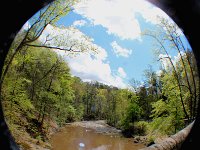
113 28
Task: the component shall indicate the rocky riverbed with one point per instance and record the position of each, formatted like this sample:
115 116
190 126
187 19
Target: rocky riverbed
99 126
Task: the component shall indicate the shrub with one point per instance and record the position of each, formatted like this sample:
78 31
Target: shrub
140 128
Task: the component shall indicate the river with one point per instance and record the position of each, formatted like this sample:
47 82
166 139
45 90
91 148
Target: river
84 138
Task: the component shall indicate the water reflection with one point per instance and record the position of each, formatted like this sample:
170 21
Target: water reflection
70 138
102 147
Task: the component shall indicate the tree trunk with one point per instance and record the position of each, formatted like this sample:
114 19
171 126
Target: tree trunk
174 142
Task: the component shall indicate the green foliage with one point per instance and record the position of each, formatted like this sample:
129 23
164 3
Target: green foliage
133 114
167 114
79 112
141 128
71 113
37 86
175 103
159 109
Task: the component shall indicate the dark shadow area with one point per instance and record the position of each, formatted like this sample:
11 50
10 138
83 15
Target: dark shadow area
186 13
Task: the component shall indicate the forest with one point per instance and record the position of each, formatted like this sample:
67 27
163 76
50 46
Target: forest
38 90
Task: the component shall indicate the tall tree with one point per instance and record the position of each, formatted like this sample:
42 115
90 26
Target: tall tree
168 38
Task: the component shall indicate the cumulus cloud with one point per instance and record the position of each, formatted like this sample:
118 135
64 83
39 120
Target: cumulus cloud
159 72
121 72
119 17
178 57
79 23
165 61
87 65
119 51
94 69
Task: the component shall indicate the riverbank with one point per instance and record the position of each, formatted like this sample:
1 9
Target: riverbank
99 126
28 142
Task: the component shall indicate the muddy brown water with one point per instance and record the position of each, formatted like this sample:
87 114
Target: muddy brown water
80 138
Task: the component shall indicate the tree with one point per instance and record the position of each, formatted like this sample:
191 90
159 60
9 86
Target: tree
168 38
173 34
48 15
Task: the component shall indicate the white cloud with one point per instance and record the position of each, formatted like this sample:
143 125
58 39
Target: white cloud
90 69
79 23
119 51
119 17
87 65
151 13
177 58
121 72
159 72
165 61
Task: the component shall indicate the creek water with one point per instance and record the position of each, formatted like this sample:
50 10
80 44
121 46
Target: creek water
80 138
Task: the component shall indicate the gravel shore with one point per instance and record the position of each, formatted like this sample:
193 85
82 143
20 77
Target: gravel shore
99 126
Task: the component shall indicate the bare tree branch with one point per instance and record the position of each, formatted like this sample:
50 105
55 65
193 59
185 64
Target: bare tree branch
54 47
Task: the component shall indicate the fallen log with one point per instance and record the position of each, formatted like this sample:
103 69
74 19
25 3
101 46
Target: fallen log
173 142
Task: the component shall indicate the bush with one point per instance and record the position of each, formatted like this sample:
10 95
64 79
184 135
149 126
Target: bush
140 128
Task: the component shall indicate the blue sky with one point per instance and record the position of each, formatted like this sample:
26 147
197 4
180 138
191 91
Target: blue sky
114 28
